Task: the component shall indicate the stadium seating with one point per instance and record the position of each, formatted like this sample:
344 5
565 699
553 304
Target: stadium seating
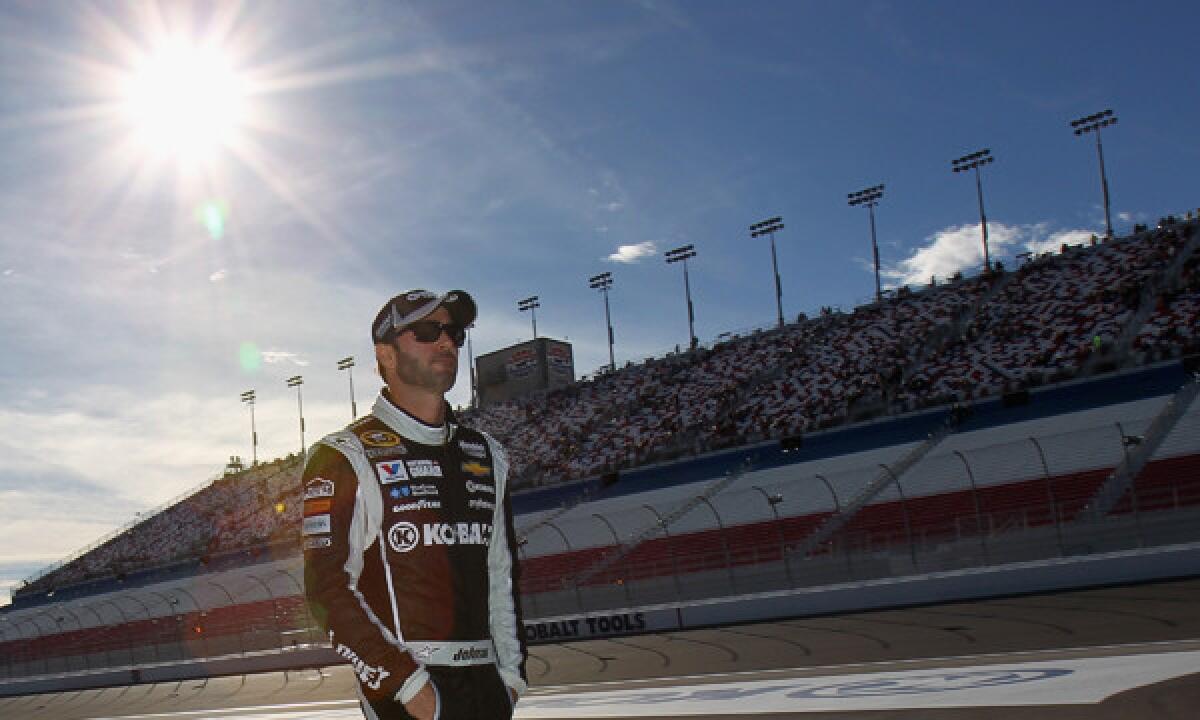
959 341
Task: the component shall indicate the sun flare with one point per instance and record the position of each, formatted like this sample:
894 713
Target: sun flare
185 101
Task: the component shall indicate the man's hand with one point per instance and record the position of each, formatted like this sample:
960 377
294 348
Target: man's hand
424 703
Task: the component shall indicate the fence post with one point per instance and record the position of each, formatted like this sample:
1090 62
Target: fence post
978 512
662 523
912 548
724 541
223 589
1050 493
837 510
783 551
617 544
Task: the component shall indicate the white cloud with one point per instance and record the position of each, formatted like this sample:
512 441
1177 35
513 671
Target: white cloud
629 254
614 206
960 249
272 357
219 275
1125 217
1053 242
951 250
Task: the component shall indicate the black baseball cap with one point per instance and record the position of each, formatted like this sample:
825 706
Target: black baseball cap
413 305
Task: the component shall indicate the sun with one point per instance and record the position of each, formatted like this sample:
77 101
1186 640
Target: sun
185 101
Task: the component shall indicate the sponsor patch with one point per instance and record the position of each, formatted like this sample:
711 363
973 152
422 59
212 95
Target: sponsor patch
317 507
403 536
316 543
424 468
391 472
373 452
473 449
477 469
370 675
416 295
418 505
472 653
480 487
423 490
456 533
318 488
479 504
316 525
380 439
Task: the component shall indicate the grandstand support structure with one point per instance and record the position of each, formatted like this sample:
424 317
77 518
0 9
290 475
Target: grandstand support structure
887 476
1139 450
662 524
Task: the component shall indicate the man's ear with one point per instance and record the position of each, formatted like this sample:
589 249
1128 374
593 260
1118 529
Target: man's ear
385 359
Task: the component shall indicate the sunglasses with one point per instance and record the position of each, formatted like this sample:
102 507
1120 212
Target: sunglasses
428 331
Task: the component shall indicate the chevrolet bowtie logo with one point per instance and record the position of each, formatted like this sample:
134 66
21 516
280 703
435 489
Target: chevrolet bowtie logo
477 469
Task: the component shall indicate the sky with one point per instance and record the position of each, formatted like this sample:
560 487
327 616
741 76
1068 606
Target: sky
201 199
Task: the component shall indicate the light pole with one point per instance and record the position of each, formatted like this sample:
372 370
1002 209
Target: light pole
346 364
296 381
248 398
681 254
531 304
471 366
769 227
603 282
973 162
1093 123
870 198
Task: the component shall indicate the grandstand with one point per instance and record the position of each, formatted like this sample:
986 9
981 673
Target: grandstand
1049 410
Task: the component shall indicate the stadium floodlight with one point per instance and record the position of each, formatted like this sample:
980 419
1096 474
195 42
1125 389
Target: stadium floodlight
603 282
296 381
531 304
471 368
1093 123
870 198
681 254
346 364
248 397
769 227
973 162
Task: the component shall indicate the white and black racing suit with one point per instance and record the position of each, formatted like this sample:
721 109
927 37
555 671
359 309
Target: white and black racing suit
409 557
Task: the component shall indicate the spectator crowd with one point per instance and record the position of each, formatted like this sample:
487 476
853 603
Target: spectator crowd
1134 299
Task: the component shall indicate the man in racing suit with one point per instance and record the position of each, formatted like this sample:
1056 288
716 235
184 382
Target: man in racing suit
409 548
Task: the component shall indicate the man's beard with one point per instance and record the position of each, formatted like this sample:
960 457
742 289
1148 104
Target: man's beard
429 377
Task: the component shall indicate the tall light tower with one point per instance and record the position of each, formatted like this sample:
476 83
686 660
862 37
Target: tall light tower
603 282
248 398
346 364
471 367
769 227
870 198
296 381
681 254
1093 123
531 304
973 162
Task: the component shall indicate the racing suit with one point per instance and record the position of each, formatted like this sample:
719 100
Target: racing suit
409 563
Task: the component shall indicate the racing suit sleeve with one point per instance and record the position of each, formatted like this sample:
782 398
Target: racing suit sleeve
338 529
504 602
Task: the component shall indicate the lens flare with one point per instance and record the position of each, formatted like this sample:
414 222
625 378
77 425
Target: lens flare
212 216
250 357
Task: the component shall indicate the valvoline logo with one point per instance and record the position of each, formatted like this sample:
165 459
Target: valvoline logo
391 472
